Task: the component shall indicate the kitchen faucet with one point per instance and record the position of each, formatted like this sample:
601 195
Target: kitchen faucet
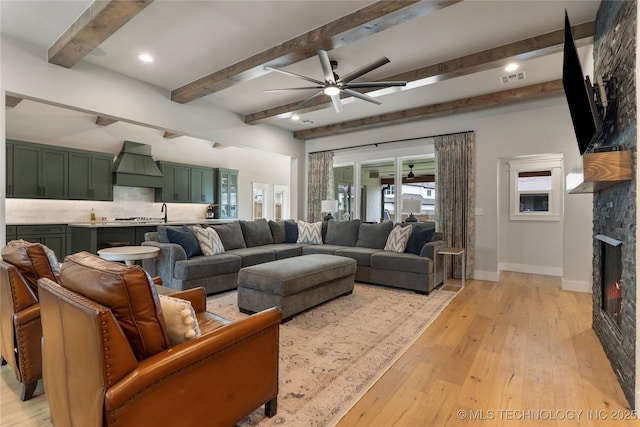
165 210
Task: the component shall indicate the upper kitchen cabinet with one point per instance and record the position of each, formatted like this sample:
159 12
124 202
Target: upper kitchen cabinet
90 176
227 196
202 183
37 171
176 183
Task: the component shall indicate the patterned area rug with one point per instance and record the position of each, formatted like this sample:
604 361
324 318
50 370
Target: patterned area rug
332 354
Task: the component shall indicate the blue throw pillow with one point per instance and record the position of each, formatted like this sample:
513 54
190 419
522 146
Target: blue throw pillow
185 238
418 239
290 232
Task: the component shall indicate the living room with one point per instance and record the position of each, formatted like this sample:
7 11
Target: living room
502 134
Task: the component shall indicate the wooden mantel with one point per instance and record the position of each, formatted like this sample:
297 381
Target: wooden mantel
602 170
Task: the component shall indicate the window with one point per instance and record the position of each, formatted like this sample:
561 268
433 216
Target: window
536 188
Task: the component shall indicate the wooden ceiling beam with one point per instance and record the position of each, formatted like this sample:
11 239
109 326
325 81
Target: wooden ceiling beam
405 180
357 25
97 23
11 101
530 48
458 106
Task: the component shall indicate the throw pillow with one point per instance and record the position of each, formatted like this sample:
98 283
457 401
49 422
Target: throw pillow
277 231
418 239
342 233
179 318
290 232
310 232
210 243
230 235
256 233
398 238
162 232
374 236
185 238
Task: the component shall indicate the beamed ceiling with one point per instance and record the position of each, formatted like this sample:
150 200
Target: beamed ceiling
451 53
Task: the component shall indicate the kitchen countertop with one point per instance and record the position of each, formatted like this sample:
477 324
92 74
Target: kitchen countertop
101 224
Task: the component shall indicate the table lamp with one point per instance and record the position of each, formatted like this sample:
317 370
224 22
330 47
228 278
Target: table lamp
410 206
328 207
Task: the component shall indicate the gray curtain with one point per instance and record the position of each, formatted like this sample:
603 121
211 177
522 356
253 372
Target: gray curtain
455 183
320 183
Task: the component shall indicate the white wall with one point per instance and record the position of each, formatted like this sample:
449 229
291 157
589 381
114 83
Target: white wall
530 128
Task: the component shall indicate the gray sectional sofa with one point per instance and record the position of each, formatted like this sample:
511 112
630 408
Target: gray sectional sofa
182 266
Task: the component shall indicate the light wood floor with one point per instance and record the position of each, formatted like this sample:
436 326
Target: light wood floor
516 352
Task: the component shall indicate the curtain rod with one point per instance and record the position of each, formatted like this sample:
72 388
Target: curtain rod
389 142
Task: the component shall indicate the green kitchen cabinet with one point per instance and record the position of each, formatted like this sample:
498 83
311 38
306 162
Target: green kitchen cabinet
176 183
227 194
38 171
202 182
9 169
11 232
90 176
54 236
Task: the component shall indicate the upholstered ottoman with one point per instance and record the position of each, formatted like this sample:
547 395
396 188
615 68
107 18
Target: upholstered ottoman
294 284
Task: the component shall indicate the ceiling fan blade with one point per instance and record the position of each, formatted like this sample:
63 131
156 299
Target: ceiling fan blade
364 70
292 88
375 84
325 62
361 96
304 101
337 104
300 76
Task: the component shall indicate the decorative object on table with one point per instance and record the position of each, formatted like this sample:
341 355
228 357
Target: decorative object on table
329 207
410 206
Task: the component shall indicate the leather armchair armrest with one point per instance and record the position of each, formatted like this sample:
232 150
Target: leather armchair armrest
196 296
238 362
27 315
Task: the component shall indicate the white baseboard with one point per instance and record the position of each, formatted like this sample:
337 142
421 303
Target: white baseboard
532 269
576 286
489 276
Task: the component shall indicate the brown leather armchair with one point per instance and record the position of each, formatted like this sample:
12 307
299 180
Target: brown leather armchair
20 329
107 360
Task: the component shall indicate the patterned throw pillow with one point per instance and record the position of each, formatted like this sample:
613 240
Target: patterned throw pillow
398 238
179 318
210 243
310 232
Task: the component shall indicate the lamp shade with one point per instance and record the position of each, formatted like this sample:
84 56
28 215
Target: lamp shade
411 206
329 206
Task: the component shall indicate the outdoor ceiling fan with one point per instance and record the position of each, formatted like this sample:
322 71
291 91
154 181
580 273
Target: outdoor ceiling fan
333 85
410 175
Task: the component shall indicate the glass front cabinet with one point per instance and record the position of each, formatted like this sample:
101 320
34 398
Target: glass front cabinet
227 194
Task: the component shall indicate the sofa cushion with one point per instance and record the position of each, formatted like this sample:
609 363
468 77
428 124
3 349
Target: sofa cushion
277 231
33 261
394 261
162 232
419 238
374 236
179 318
207 266
256 233
231 235
210 243
290 232
127 292
342 233
185 238
361 255
310 232
253 256
398 238
284 250
321 249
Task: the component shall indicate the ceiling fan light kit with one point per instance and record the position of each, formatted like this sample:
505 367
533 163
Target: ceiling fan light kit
333 85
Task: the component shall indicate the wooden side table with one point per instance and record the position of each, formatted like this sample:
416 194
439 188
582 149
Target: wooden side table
455 252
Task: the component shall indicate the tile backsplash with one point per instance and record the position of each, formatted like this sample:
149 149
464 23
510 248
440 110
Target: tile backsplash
127 202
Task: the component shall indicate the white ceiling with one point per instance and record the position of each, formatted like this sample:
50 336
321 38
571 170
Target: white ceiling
190 39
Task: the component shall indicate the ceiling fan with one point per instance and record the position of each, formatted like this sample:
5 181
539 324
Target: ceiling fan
333 85
411 174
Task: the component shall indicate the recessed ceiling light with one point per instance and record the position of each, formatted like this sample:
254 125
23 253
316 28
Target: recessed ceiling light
145 57
295 117
511 67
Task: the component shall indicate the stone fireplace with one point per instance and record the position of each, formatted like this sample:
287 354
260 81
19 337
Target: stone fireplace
614 208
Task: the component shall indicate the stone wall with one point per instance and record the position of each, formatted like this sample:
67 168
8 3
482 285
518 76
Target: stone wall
614 209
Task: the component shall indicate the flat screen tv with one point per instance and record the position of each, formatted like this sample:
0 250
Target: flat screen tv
579 93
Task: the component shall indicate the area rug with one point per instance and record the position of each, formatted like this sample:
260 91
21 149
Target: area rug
332 354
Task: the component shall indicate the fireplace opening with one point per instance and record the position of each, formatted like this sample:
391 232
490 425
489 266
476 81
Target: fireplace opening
611 271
